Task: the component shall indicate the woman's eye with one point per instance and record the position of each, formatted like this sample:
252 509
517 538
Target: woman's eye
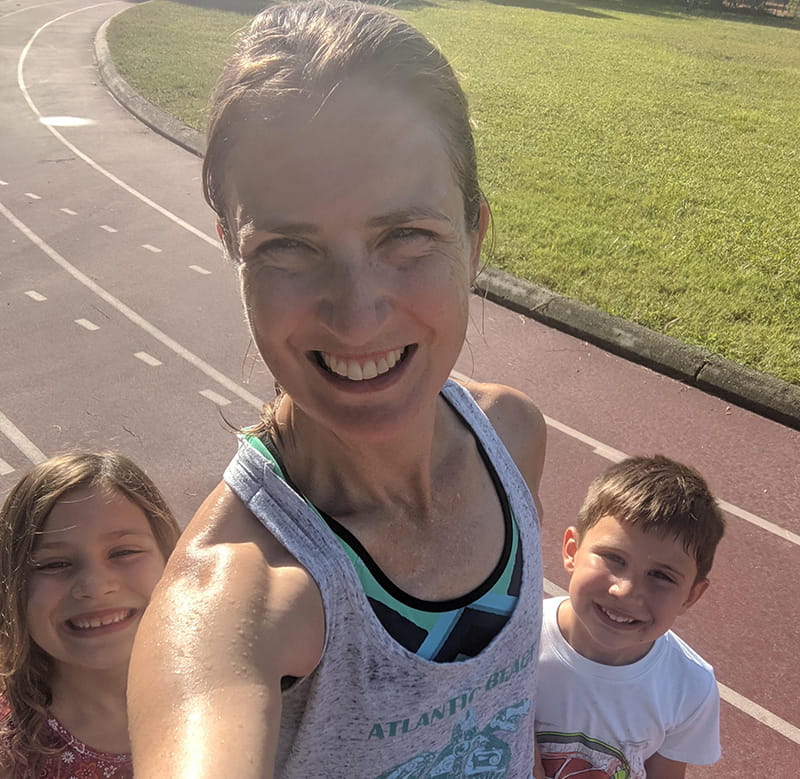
410 234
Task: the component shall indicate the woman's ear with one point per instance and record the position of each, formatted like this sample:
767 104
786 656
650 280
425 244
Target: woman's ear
569 548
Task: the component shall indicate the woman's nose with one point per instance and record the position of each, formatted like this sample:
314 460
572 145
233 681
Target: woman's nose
356 301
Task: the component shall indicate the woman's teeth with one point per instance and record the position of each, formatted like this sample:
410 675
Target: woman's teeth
87 624
360 370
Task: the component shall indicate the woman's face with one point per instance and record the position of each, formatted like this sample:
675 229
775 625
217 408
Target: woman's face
356 260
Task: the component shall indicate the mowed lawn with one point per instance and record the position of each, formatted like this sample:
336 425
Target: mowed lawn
645 161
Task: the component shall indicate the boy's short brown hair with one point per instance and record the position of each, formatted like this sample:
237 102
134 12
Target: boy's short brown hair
658 495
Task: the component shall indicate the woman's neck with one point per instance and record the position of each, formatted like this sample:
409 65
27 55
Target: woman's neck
343 476
91 705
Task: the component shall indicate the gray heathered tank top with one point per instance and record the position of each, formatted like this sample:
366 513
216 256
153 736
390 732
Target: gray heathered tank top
372 709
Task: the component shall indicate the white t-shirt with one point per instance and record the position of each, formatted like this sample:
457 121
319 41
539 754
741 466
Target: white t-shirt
614 717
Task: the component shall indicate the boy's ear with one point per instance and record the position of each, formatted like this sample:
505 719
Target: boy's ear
569 548
698 588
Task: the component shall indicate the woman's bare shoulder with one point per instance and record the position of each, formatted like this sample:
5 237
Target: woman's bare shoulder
228 568
519 423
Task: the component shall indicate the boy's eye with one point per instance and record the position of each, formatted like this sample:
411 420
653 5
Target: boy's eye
615 559
663 576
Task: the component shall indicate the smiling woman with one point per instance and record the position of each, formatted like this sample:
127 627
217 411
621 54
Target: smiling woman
83 540
368 572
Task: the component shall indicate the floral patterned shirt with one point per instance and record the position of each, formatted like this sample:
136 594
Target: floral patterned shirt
77 760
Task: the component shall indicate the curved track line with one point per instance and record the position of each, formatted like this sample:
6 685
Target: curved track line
130 314
85 157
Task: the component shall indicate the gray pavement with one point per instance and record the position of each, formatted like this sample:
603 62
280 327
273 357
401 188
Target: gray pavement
765 394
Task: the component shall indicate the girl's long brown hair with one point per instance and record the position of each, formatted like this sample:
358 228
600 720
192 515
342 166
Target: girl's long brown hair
25 670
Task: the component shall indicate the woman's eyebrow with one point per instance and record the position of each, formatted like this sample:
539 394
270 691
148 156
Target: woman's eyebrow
402 215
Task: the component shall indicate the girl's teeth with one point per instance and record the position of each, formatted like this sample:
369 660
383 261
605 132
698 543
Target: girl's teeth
356 370
86 624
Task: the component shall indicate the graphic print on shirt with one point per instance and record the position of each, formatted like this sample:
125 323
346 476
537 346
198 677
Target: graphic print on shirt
471 753
575 755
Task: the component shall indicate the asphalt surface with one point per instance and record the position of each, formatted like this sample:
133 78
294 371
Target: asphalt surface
102 226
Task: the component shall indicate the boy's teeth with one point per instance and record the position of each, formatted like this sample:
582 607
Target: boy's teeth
359 370
86 624
615 618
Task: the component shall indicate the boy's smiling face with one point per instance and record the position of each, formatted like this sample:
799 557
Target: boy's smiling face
627 589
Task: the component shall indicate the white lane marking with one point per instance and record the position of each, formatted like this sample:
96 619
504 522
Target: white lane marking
34 295
148 359
108 228
759 713
20 440
5 468
764 524
85 157
130 314
214 397
32 196
615 455
752 709
3 183
68 211
86 324
151 248
201 271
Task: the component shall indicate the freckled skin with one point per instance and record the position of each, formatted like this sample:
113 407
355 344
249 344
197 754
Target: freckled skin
329 266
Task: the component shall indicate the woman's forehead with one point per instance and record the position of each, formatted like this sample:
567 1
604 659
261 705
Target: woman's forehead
359 145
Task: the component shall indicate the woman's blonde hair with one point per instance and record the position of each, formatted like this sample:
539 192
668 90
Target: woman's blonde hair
25 669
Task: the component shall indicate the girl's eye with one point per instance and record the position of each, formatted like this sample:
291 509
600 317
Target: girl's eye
125 552
51 566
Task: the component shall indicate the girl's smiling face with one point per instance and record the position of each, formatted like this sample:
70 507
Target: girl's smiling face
94 567
355 257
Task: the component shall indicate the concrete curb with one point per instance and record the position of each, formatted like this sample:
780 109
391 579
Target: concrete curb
767 395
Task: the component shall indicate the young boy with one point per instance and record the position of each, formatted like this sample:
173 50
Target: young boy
620 695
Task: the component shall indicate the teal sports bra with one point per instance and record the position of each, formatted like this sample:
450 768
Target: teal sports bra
442 631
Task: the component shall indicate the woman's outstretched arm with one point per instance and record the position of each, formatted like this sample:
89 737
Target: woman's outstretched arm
233 614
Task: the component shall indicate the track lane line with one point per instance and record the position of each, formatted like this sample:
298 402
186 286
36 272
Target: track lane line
85 157
130 314
20 440
615 456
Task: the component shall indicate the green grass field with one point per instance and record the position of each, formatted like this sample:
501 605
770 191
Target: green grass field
645 161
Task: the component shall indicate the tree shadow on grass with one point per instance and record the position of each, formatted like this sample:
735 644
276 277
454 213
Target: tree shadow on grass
747 11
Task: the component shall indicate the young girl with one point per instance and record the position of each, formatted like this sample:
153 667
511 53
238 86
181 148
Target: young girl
84 538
